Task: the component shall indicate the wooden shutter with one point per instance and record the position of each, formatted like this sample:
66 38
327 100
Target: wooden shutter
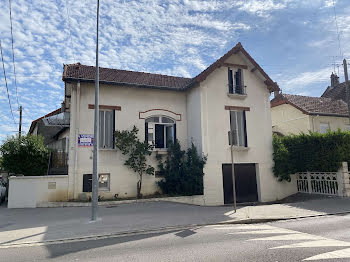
230 81
146 131
245 129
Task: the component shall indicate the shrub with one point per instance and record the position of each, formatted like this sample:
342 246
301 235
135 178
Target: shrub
182 171
310 152
26 155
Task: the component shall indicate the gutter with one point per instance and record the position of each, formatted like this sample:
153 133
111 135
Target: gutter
68 79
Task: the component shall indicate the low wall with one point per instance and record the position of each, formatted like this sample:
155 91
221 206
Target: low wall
31 191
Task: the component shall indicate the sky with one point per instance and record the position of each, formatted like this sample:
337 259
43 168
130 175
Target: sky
295 41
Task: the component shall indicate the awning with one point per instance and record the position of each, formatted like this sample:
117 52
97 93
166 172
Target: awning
61 119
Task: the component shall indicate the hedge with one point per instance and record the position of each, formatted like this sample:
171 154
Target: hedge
310 152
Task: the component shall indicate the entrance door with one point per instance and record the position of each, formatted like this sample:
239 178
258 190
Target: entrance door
228 183
246 186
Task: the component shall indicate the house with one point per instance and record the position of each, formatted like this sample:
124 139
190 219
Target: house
55 130
336 91
295 114
233 91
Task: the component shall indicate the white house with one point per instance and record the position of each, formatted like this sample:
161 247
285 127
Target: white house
232 91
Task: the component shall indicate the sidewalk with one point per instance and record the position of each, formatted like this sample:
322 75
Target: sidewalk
27 226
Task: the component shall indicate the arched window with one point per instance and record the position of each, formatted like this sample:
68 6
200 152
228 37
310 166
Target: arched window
159 130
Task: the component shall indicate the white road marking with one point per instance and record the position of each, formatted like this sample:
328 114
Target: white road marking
267 231
317 243
290 237
244 227
344 253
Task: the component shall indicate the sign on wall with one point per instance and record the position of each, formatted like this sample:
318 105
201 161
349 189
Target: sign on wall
85 140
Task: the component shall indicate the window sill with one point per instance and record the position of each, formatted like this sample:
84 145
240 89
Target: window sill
240 148
239 96
107 149
160 151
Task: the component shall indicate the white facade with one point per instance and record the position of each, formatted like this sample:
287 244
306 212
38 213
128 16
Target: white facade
202 117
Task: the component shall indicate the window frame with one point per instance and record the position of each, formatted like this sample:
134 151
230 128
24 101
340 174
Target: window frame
89 187
238 137
328 127
151 125
103 134
236 82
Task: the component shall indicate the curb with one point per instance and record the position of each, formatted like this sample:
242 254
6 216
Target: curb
160 230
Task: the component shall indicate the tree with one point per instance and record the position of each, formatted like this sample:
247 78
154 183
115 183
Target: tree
26 155
136 151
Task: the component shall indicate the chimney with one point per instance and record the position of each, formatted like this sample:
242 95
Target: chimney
334 80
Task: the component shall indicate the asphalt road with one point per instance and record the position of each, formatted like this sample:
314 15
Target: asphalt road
311 239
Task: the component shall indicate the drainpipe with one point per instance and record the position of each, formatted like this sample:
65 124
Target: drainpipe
77 111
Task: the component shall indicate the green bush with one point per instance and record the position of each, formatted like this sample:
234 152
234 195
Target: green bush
310 152
182 171
26 155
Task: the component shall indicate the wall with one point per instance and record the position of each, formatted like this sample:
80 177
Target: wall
194 118
286 119
132 101
215 127
29 191
334 122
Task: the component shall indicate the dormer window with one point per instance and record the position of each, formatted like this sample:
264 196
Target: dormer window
235 82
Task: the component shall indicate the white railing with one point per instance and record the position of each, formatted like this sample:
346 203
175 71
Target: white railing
318 183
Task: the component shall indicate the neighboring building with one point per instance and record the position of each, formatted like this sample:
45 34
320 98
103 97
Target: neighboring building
55 130
336 91
232 91
294 114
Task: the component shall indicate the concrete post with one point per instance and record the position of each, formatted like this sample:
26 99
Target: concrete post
309 182
344 186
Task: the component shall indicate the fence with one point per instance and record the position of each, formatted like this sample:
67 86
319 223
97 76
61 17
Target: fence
326 183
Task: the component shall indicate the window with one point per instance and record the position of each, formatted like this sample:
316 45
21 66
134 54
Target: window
238 127
159 130
235 82
324 127
103 182
106 134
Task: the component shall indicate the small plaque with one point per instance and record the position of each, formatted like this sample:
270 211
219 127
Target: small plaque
52 185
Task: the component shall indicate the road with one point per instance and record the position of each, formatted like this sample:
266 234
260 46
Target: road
311 239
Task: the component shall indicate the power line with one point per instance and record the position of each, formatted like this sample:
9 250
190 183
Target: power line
336 24
7 90
13 53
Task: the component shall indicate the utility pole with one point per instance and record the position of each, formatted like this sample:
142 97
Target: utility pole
233 172
347 85
20 122
94 200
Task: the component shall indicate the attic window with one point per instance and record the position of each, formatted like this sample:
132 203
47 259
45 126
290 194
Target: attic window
235 82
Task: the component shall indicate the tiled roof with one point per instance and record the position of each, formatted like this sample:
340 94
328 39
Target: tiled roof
337 92
76 72
108 75
313 105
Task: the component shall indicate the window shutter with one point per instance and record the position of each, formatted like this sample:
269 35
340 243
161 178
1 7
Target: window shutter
242 83
245 129
146 131
113 130
230 81
238 81
174 133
